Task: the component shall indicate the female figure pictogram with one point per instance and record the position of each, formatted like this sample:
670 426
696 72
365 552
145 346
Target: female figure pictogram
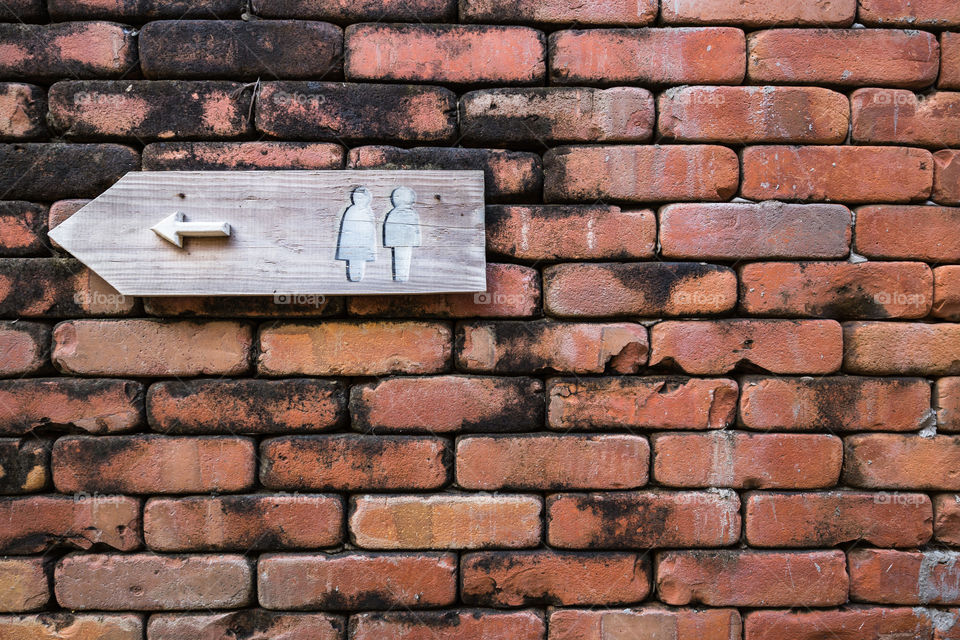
357 243
401 231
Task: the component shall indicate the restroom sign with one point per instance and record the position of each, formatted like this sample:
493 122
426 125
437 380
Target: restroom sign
204 233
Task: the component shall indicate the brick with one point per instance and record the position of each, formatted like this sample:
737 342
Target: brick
246 406
652 289
143 582
909 13
837 289
93 406
640 173
448 521
149 110
738 231
838 517
902 461
24 347
843 174
525 578
341 348
946 177
904 577
902 117
645 520
738 115
448 625
23 11
946 523
746 460
76 50
56 170
356 112
23 585
932 237
484 404
255 156
545 345
873 623
354 462
515 176
38 524
850 57
662 402
834 403
60 625
755 13
946 402
239 50
570 232
352 581
721 346
448 53
618 12
272 307
254 624
24 465
153 464
140 11
752 578
151 347
949 61
242 523
23 111
901 348
60 211
56 288
513 291
23 230
648 621
710 55
347 11
557 114
552 462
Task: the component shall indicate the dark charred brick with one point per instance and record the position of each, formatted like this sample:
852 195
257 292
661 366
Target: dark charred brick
246 406
24 465
67 50
23 111
22 11
219 156
150 109
240 50
56 288
23 230
279 306
53 171
356 112
516 176
91 405
139 11
349 11
462 624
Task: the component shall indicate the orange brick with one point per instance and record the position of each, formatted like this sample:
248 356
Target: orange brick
254 623
902 461
640 173
946 176
457 54
946 402
66 50
752 578
354 348
630 519
901 348
608 12
24 585
708 55
23 230
885 576
903 117
55 625
949 61
448 521
756 13
23 111
862 622
25 347
37 524
843 174
552 462
645 622
720 346
462 624
932 236
838 517
946 293
909 14
946 523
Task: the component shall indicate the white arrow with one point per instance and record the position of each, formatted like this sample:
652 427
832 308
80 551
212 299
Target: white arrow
173 229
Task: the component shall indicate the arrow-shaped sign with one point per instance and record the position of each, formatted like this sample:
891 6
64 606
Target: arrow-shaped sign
284 232
174 228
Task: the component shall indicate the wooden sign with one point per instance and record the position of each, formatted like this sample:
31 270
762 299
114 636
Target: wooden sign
165 233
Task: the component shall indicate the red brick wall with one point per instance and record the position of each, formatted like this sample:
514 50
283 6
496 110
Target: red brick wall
712 392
